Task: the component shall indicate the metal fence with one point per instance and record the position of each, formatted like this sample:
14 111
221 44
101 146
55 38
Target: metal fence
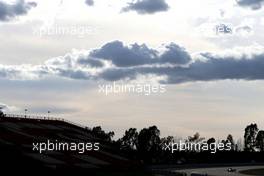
35 117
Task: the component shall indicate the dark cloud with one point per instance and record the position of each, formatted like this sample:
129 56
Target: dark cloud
116 74
123 56
253 4
147 6
73 74
90 62
242 29
219 68
175 55
136 55
89 2
214 68
174 65
10 11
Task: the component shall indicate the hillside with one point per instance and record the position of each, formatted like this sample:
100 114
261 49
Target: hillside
18 135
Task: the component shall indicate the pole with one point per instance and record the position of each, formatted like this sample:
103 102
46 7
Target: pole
26 113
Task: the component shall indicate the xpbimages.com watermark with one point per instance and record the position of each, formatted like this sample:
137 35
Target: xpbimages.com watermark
80 147
144 89
62 30
197 147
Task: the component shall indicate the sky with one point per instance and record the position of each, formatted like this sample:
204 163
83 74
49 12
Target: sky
209 55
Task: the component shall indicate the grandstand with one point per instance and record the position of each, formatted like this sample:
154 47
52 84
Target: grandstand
19 132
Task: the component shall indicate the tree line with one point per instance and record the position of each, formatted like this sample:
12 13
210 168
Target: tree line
253 138
148 146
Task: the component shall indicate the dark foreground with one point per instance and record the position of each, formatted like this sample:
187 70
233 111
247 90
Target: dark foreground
17 134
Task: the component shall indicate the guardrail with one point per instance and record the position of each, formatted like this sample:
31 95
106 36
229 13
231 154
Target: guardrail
35 117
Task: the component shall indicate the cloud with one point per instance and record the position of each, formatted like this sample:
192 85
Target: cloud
114 61
91 62
38 109
124 56
89 65
10 11
219 68
244 30
237 64
89 2
136 55
253 4
7 108
147 6
2 106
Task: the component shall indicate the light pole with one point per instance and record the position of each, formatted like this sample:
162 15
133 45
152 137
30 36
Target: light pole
48 113
26 113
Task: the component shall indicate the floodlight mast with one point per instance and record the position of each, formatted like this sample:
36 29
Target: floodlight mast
26 110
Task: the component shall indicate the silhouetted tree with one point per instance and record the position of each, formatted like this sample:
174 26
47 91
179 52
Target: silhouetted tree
211 141
166 144
166 140
149 143
2 114
129 141
110 135
102 134
196 138
98 131
230 140
260 141
88 129
250 137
